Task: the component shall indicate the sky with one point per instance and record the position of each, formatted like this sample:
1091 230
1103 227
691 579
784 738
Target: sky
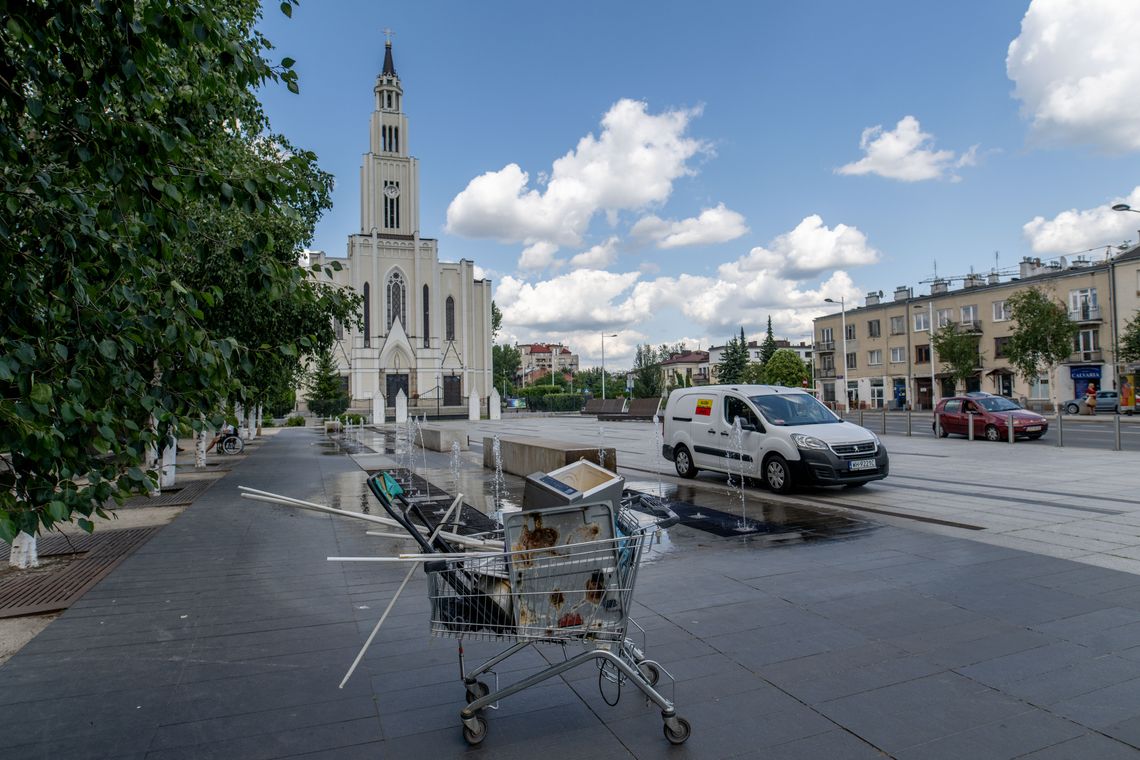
662 171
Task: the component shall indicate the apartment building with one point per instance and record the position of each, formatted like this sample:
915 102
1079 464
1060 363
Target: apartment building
880 353
538 359
716 353
691 366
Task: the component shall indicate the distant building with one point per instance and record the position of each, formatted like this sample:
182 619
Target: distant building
538 359
716 353
692 366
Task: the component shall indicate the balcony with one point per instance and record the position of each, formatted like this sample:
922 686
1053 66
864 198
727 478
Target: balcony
1086 313
1085 357
825 372
970 326
823 346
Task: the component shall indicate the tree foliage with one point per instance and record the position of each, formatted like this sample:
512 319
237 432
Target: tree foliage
958 351
496 321
647 379
505 362
326 394
768 347
733 361
591 380
134 159
1130 340
1042 335
785 368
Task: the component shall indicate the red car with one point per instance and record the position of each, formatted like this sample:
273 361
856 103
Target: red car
991 418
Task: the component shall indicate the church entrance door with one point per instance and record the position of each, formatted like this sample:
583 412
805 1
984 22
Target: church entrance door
452 390
396 383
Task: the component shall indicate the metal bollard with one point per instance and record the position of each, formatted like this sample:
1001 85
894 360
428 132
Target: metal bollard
1116 431
1009 424
970 427
1060 430
884 428
860 418
908 433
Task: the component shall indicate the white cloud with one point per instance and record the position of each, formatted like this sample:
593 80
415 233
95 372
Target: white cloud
1075 230
632 164
538 256
713 225
906 154
809 249
1074 70
600 256
579 300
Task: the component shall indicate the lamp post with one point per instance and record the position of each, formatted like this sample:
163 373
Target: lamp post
1117 365
843 327
930 329
604 336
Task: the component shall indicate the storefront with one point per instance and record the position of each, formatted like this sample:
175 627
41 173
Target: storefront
1082 376
899 393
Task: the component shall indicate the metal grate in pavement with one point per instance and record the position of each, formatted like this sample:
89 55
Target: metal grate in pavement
57 587
183 493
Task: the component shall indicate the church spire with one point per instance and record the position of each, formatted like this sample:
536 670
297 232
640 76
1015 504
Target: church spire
389 67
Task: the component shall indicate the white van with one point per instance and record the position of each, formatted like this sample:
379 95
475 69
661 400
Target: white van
788 437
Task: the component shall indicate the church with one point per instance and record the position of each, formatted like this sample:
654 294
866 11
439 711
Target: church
426 324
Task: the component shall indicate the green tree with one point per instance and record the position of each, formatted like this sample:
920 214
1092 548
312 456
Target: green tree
959 352
753 374
1130 341
591 380
733 361
119 126
496 320
785 368
647 379
768 347
326 394
1042 336
505 362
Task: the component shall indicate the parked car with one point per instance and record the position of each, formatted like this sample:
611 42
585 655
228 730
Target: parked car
1107 402
787 437
991 418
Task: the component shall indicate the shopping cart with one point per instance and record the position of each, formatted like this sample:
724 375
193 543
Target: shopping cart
566 577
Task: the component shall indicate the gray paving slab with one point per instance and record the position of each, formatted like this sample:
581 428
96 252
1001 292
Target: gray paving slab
227 634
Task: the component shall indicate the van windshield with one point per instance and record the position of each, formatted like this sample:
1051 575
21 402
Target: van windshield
793 409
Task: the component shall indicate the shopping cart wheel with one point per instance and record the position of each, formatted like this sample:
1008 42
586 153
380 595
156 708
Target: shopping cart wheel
650 671
475 737
681 734
477 690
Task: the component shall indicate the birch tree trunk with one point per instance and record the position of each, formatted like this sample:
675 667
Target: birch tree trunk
200 444
24 553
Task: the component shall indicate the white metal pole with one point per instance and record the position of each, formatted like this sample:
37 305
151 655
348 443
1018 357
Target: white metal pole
930 327
843 327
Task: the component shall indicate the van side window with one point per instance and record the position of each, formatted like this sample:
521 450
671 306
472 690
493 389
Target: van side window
735 407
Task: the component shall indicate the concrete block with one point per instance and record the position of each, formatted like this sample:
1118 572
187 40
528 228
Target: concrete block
401 407
523 456
473 410
496 405
437 438
378 409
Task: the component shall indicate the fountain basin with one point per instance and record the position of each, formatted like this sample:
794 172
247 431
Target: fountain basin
523 456
439 438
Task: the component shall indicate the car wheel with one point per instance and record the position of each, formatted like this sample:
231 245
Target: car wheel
992 433
777 476
683 461
1071 409
1035 436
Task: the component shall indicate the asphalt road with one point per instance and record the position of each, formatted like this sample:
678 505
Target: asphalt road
1084 432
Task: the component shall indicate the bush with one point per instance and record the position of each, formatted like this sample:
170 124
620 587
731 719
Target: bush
295 421
352 418
268 423
537 392
561 402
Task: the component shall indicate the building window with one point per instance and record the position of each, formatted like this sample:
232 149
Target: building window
1039 388
1087 344
1001 311
827 361
829 392
427 319
851 360
922 354
367 316
449 318
873 329
970 314
875 357
826 335
945 317
397 300
898 355
921 322
1000 345
1082 300
898 325
850 332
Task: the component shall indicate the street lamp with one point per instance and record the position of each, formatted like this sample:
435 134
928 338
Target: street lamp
843 326
930 329
604 336
1124 207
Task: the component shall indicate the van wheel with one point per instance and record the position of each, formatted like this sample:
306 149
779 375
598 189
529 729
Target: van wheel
683 461
777 476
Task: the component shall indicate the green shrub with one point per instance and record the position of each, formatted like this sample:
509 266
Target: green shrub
266 422
352 418
295 421
561 402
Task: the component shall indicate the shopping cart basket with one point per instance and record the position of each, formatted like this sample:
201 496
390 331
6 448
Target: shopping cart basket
566 577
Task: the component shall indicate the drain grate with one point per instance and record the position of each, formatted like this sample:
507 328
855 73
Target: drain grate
184 493
57 586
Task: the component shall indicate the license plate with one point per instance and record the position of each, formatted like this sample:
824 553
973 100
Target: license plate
1033 428
862 464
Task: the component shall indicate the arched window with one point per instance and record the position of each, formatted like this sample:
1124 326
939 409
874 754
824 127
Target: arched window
397 300
427 319
449 318
367 317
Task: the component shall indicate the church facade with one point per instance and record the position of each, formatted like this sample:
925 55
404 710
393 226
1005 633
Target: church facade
426 324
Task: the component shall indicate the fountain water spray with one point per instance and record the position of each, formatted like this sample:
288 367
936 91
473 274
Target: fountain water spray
658 444
737 439
602 445
499 483
455 466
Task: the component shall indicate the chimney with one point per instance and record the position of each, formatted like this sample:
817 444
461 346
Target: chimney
972 280
902 293
993 279
873 298
939 286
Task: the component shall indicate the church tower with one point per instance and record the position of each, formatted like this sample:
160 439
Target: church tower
425 325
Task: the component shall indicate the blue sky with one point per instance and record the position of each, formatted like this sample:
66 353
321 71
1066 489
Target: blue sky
720 164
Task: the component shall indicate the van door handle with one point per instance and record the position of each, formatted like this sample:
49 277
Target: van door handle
723 433
712 432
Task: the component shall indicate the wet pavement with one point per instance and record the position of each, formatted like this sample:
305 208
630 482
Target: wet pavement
821 636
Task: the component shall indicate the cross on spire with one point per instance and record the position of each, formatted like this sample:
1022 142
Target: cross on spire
388 35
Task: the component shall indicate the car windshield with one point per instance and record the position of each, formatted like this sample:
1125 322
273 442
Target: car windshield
997 404
793 409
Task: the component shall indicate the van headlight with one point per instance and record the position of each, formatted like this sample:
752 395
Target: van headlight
808 441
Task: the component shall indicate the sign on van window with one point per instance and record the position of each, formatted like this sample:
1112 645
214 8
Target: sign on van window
704 407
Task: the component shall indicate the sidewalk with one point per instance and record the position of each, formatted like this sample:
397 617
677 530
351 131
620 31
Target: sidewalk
226 636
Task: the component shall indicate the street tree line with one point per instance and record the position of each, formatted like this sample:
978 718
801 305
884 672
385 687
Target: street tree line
150 224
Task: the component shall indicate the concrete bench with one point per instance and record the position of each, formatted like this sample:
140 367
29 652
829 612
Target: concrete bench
593 406
438 438
639 409
524 456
